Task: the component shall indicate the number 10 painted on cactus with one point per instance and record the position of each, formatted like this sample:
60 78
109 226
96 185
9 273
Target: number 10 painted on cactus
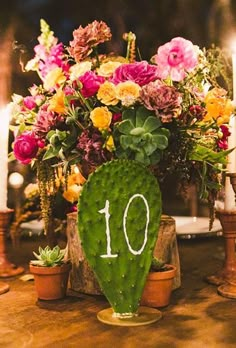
105 211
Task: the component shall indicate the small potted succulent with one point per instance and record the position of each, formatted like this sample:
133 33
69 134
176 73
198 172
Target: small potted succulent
158 286
51 272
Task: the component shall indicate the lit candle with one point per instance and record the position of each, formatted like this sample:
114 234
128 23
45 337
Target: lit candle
4 133
231 166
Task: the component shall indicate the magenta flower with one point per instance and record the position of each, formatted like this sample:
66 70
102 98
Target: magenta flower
175 58
25 147
223 142
90 83
29 102
139 72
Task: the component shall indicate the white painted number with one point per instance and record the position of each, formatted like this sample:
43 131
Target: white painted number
105 211
136 252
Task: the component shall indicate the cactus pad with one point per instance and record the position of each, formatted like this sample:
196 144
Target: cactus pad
118 221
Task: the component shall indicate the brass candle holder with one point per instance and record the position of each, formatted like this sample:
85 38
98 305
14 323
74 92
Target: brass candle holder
7 269
228 221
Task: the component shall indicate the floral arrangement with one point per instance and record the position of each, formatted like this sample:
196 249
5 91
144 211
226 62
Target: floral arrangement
168 113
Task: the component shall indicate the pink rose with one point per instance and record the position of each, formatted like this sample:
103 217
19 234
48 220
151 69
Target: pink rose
91 83
139 72
175 58
25 147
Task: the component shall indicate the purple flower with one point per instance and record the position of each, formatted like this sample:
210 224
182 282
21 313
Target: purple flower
90 83
90 145
139 72
25 147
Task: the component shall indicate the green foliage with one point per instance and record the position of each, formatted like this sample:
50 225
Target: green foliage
157 265
141 136
48 257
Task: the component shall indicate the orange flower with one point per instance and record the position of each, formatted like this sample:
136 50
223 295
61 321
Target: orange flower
101 117
219 108
72 193
57 102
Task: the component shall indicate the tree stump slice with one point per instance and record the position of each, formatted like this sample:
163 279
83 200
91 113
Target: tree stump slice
82 278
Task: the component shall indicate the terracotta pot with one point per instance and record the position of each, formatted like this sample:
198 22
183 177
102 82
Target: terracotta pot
51 282
158 288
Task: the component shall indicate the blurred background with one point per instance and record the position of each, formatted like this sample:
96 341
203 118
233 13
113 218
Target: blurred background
204 22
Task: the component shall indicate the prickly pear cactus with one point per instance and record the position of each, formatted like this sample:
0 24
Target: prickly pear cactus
118 221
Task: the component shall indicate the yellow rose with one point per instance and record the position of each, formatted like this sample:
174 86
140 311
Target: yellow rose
79 69
54 79
107 93
110 146
107 69
127 92
101 117
57 102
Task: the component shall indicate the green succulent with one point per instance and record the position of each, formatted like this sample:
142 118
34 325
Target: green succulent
157 265
141 136
48 257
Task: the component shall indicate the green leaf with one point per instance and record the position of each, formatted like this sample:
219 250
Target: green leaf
203 153
125 127
140 156
129 114
125 141
51 152
151 124
137 131
141 115
161 141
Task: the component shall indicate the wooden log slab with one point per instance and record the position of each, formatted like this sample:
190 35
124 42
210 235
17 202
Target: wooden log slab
82 278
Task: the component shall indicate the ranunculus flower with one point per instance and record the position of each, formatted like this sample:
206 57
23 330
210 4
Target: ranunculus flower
107 93
138 72
91 83
176 58
101 117
25 147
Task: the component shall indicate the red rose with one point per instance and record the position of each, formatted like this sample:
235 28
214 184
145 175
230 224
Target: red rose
25 147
